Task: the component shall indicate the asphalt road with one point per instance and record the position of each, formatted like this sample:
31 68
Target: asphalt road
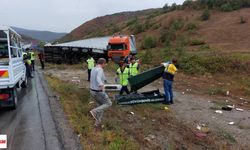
31 125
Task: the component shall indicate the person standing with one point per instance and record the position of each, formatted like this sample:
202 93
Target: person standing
91 65
27 63
41 58
133 67
123 73
97 81
168 76
32 58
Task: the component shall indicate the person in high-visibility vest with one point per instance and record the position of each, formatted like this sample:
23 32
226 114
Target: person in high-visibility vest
123 74
168 76
24 54
134 67
28 63
91 65
32 58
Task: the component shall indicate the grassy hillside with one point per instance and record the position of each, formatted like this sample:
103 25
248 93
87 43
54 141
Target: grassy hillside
222 31
105 25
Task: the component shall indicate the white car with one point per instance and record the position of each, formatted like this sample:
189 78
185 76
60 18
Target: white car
12 67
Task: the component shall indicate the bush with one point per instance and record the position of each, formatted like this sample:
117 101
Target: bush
147 57
204 47
183 40
191 26
192 65
168 35
149 42
176 24
205 15
132 22
226 7
195 42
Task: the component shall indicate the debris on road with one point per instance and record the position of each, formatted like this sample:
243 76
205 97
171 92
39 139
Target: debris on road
203 128
166 108
231 106
150 137
91 102
239 109
132 113
231 123
227 93
200 134
226 108
218 111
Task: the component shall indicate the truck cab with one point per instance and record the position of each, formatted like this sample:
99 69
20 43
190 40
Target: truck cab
120 47
12 68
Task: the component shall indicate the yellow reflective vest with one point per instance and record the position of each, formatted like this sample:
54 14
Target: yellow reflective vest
123 76
32 55
28 61
23 53
133 68
171 69
91 63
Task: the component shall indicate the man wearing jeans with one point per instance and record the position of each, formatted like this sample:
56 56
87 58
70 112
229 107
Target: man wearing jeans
97 80
168 77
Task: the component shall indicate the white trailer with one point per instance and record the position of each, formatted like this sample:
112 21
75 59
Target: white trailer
12 67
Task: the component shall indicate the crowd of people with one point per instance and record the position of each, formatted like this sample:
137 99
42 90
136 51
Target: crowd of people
29 60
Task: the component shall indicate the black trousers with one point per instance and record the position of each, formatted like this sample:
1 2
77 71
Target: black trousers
124 89
28 70
42 64
33 64
89 73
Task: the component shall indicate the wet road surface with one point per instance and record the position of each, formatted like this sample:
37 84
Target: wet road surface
31 125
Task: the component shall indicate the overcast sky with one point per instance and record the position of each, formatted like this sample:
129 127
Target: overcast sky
65 15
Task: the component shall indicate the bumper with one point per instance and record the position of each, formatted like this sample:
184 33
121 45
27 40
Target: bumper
6 103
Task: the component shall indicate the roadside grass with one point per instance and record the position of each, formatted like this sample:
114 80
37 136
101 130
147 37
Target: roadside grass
215 91
76 105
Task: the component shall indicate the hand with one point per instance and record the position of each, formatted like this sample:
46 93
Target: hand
101 87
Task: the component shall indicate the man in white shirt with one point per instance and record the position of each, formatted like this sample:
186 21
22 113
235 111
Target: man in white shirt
97 80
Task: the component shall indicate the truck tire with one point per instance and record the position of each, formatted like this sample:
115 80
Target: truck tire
14 98
25 83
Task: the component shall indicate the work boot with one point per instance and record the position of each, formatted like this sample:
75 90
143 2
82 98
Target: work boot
171 102
166 103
